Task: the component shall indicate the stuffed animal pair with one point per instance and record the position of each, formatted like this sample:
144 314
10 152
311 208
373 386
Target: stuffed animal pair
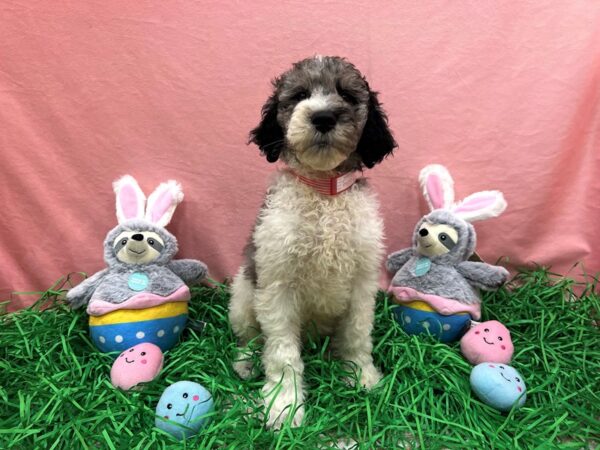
436 285
138 305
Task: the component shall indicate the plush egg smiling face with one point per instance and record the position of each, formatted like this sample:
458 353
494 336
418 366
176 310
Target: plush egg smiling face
140 354
498 385
436 239
489 341
183 408
138 364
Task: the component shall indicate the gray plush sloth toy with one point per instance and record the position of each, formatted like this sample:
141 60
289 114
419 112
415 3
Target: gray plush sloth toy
435 284
142 295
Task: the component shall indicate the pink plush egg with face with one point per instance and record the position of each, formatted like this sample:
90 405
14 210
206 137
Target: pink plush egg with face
138 364
487 342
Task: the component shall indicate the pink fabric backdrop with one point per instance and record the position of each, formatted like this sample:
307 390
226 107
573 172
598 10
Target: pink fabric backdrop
506 94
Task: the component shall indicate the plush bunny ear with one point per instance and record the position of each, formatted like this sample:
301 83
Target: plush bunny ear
130 199
162 203
437 185
481 205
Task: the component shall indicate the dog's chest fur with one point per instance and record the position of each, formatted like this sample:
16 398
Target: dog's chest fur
317 246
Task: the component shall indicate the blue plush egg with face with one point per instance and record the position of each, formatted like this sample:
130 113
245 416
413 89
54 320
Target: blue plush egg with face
183 409
498 385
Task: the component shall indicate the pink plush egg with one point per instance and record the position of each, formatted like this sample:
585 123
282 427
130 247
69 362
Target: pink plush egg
138 364
487 342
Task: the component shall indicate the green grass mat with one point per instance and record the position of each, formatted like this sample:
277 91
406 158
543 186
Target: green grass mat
55 390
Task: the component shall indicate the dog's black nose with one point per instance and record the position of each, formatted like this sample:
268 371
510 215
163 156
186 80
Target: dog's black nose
324 121
138 237
423 232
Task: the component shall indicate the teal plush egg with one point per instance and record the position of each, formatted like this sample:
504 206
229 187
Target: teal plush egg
183 409
498 385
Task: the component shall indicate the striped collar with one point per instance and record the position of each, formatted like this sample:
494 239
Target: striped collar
330 186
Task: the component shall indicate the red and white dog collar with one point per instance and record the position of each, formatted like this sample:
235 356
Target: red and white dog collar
330 186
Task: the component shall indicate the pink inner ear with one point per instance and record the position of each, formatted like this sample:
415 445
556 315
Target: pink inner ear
435 191
129 201
161 205
477 203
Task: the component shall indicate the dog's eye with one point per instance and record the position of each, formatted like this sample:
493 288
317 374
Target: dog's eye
300 95
346 96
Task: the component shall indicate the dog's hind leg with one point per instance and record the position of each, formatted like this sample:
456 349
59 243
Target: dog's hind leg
243 323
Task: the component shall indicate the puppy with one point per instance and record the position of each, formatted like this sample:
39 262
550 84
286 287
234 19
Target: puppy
313 259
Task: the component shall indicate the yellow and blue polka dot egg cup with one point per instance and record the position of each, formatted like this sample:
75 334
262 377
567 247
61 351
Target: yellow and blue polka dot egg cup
418 317
119 330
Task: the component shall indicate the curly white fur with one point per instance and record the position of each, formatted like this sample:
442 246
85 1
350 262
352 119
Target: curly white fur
317 262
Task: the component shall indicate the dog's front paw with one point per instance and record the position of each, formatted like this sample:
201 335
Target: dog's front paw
245 369
244 365
282 405
279 414
369 377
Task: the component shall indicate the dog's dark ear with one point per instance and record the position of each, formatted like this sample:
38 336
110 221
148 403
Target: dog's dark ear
268 135
376 141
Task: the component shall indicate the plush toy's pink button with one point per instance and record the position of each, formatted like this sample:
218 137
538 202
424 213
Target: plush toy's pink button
487 342
137 364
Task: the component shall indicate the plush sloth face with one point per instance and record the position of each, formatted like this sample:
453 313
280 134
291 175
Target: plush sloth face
322 116
436 239
138 247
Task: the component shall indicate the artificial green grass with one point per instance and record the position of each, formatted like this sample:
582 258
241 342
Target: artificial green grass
55 390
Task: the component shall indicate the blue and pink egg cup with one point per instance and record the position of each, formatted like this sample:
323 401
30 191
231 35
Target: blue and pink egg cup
445 319
151 318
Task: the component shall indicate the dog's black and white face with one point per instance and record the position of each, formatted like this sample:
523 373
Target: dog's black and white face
323 116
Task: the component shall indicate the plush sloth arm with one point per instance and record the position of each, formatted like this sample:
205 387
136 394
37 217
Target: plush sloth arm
189 270
80 295
397 259
482 275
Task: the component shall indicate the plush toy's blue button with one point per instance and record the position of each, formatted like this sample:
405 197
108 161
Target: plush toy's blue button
138 281
422 266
